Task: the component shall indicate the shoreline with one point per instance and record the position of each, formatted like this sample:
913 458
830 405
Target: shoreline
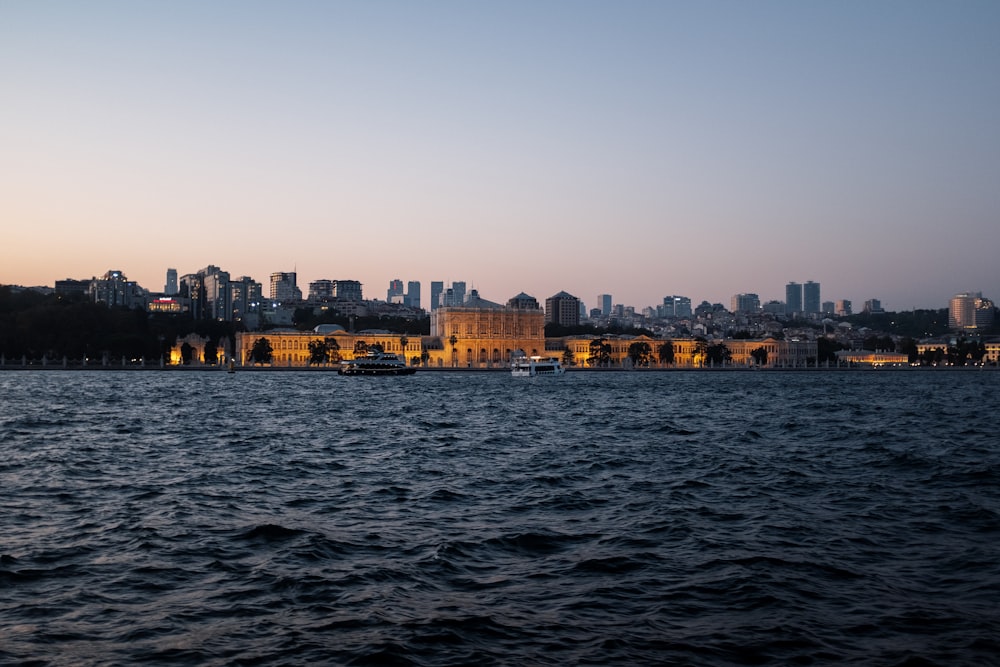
449 369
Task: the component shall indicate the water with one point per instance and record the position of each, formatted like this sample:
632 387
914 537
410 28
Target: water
706 518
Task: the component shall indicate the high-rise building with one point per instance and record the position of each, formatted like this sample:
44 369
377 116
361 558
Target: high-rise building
454 296
412 299
562 309
774 307
170 288
810 298
676 306
437 288
604 304
114 289
395 292
321 290
829 308
284 289
970 311
745 303
843 308
245 298
873 306
793 298
523 302
458 292
347 290
217 304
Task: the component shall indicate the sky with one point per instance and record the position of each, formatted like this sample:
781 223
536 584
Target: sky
633 148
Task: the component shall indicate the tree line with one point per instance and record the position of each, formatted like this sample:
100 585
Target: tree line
36 326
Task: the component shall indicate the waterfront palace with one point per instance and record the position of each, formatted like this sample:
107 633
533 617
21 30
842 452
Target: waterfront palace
484 334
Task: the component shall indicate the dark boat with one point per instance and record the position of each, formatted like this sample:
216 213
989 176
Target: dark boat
376 363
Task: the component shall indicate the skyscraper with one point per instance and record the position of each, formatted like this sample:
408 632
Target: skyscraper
676 306
321 290
283 287
170 289
218 304
395 292
604 303
810 298
412 294
437 287
970 311
793 298
562 309
745 303
245 297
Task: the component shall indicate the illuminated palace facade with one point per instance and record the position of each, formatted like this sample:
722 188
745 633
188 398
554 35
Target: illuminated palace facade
484 334
481 333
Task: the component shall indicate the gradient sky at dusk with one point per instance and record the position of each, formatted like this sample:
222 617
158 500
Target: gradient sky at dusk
634 148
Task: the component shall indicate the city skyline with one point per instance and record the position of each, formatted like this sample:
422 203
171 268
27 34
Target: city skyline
640 150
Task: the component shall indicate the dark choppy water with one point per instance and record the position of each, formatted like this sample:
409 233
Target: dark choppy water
445 519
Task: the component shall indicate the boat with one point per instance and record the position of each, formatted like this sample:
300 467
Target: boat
376 363
522 366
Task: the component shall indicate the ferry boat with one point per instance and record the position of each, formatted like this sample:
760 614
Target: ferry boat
521 366
376 363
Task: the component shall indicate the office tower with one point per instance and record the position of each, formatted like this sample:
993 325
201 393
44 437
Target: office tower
217 305
245 297
114 289
810 297
321 290
523 302
774 307
458 292
562 309
347 290
395 292
604 303
283 287
676 306
873 306
793 298
843 308
829 308
970 311
745 303
412 299
437 287
170 289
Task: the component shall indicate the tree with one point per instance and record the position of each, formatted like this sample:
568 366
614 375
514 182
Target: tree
759 356
718 354
186 353
665 352
332 350
700 351
360 348
454 353
639 353
261 352
600 352
567 357
211 353
826 350
319 353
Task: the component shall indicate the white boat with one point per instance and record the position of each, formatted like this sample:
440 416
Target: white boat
522 366
376 363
